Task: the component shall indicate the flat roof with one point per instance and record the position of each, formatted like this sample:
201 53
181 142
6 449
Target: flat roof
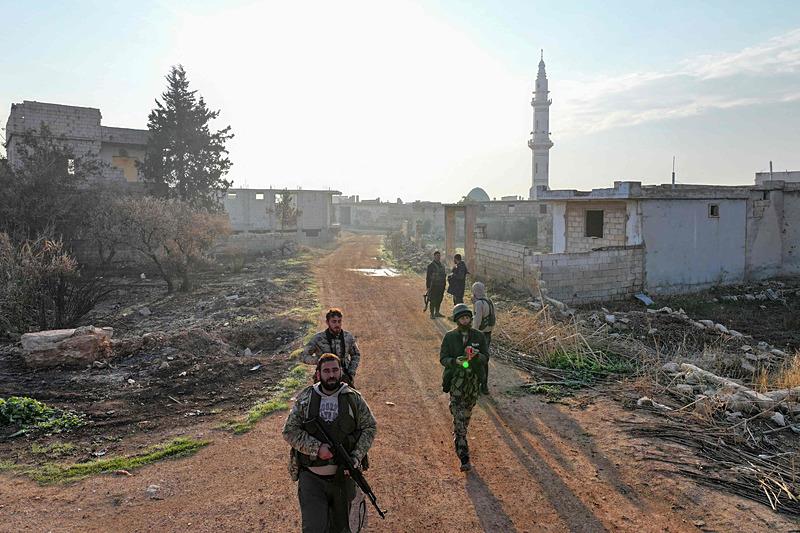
634 190
327 191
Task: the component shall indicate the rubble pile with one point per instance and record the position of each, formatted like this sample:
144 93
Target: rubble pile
408 254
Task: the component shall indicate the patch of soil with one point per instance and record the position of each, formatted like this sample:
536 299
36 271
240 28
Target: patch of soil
211 353
753 312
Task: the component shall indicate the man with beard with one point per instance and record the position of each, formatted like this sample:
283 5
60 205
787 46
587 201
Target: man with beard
337 341
463 355
434 282
324 489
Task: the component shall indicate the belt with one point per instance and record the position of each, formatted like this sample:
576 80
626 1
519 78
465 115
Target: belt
320 476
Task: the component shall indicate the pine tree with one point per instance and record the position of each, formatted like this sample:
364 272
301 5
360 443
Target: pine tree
184 159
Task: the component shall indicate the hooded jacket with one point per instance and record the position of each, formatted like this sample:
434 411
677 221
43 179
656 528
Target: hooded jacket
481 306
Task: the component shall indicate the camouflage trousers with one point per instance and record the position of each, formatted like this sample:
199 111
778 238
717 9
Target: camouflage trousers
463 395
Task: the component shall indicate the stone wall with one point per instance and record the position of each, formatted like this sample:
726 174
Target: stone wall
611 273
501 261
614 219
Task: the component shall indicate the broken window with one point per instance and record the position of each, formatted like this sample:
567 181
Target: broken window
511 208
713 210
594 223
543 209
311 232
259 196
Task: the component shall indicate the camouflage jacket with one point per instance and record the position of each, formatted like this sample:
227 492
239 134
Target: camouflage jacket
304 443
319 344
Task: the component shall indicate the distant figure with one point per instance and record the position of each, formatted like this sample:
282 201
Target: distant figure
463 355
337 341
434 282
483 319
458 280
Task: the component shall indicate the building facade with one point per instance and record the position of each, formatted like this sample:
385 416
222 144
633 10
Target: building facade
80 129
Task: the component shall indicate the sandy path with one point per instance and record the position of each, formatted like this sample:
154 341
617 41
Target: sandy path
538 466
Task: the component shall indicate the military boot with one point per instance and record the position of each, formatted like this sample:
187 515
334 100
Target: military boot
466 466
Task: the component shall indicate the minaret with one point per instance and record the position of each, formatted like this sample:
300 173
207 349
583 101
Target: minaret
540 142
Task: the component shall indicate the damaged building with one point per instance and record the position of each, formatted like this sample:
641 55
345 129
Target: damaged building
257 223
80 129
612 243
264 219
353 213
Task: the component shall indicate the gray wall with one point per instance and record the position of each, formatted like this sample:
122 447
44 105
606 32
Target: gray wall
686 249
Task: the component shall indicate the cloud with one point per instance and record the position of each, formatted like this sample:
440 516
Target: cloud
766 73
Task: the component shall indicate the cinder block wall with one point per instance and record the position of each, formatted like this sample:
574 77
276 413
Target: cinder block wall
577 278
614 218
508 263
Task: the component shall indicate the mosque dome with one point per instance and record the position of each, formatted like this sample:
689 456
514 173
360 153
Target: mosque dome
478 195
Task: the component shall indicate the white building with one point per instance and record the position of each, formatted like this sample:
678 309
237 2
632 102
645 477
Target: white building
612 243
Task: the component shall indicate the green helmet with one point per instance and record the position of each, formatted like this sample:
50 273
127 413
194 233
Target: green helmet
461 309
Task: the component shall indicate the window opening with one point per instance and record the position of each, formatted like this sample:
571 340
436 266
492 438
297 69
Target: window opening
594 223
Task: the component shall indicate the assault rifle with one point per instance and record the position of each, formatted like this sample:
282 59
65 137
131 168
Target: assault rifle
426 299
345 461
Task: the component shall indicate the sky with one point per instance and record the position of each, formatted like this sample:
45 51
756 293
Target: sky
426 99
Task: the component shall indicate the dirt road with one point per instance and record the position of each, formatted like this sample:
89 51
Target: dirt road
538 466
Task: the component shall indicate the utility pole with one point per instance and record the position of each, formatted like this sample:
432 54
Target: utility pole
673 171
770 171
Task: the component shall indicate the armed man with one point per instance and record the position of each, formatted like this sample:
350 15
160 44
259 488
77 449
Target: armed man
464 354
484 320
337 341
434 283
329 419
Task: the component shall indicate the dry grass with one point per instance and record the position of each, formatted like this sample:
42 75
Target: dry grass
538 334
785 376
789 374
558 344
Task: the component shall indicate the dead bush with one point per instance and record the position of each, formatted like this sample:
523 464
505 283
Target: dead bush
172 235
41 286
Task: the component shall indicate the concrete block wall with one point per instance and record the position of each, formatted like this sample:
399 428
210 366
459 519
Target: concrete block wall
501 261
583 277
614 220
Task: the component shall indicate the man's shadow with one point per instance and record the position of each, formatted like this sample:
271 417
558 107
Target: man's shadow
488 508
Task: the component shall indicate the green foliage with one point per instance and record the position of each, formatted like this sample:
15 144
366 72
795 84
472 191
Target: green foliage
184 158
286 209
29 414
279 401
45 191
53 473
589 366
54 450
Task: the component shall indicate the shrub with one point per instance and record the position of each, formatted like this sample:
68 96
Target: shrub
41 286
171 234
27 413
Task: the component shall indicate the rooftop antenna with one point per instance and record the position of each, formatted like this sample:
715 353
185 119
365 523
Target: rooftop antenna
673 171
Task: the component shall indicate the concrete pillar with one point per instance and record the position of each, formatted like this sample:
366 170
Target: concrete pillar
449 231
470 247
